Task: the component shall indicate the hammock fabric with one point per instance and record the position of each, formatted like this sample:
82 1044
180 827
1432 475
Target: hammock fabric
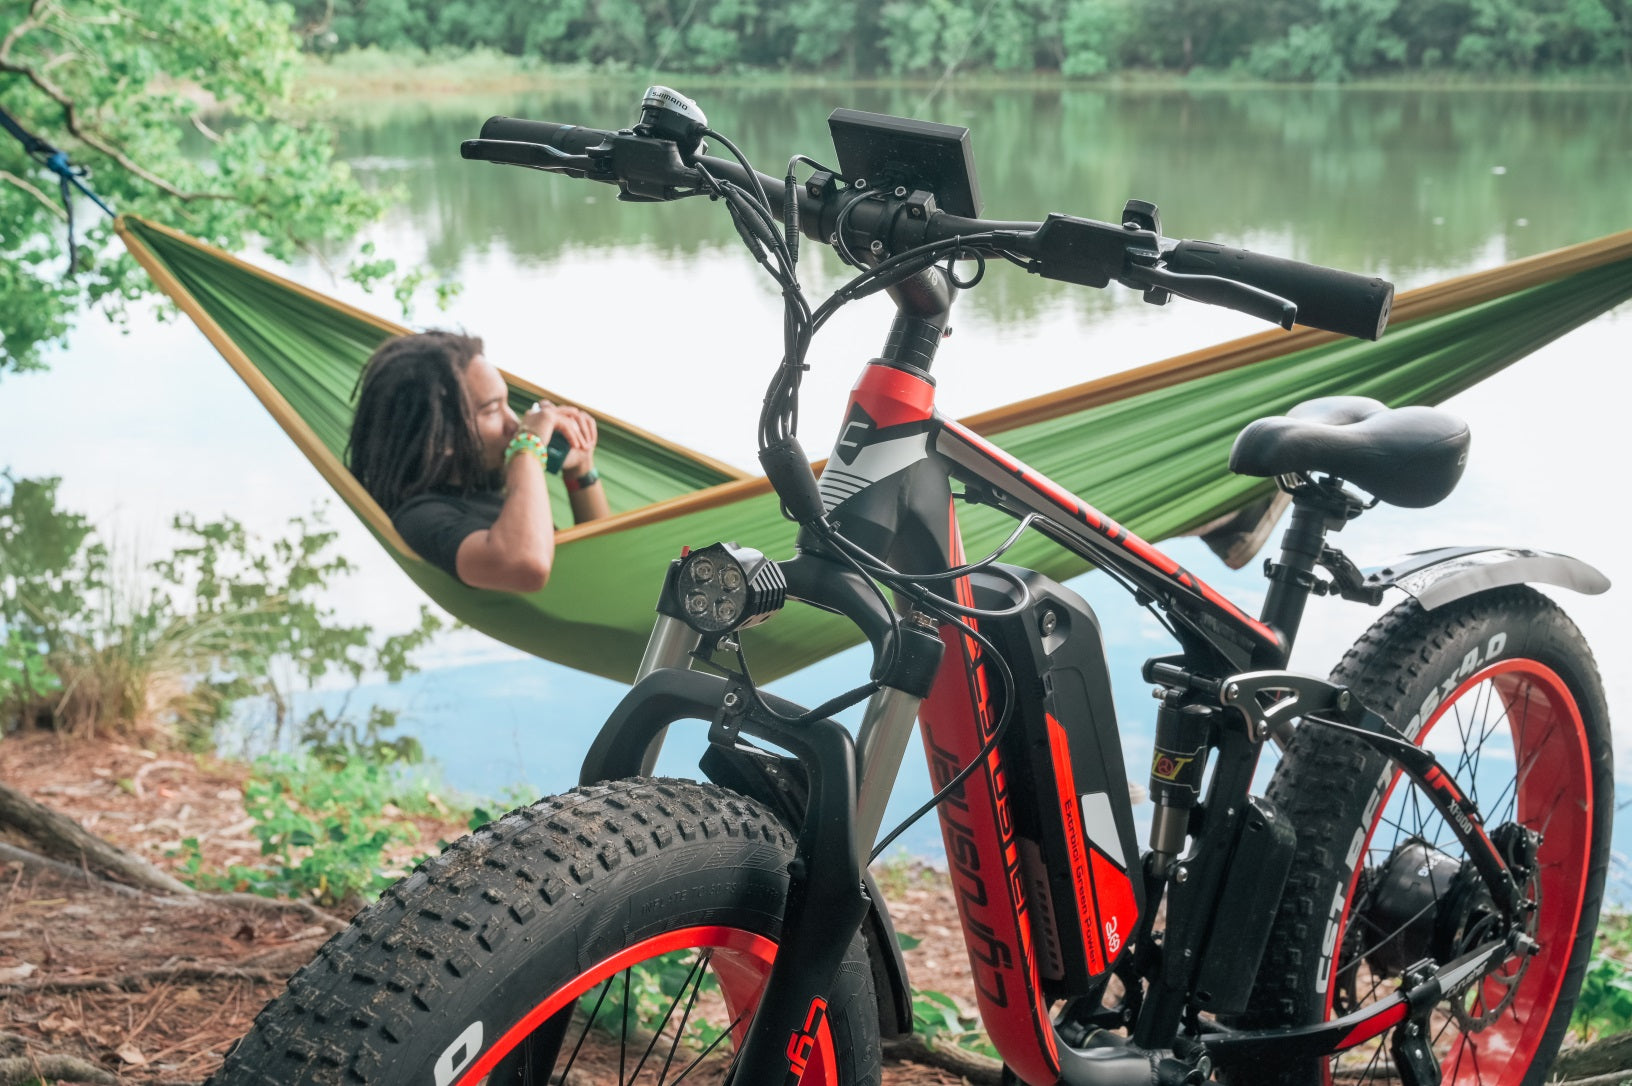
1148 447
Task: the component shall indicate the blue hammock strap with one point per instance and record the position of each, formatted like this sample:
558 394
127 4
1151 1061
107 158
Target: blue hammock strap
69 176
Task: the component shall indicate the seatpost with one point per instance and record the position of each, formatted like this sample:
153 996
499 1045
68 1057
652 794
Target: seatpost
1317 508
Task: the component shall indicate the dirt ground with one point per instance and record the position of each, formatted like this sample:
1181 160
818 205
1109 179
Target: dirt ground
154 990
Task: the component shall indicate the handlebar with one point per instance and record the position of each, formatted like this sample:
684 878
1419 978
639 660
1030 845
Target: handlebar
1062 247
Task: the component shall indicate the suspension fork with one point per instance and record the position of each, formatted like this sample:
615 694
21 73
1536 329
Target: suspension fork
672 642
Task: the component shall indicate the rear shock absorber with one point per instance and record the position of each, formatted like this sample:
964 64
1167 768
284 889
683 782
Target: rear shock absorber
1183 738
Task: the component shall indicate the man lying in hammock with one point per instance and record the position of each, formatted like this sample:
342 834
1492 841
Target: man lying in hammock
436 444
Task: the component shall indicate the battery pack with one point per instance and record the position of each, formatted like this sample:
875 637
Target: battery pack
1076 837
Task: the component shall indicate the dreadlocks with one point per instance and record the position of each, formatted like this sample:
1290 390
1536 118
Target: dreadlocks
414 429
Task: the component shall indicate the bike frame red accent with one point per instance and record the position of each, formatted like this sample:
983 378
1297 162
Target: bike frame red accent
983 856
752 954
1082 880
1371 1027
1114 900
1556 783
1120 547
801 1044
892 397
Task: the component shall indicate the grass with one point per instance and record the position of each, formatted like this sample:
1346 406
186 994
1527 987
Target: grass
1605 1006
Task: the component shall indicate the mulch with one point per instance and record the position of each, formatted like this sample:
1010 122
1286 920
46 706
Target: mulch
155 990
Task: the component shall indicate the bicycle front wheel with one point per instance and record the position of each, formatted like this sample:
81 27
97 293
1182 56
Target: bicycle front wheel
618 933
1502 688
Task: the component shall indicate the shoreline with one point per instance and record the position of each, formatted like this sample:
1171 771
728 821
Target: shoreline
376 75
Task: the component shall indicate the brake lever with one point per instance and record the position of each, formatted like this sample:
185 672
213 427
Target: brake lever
1213 290
538 156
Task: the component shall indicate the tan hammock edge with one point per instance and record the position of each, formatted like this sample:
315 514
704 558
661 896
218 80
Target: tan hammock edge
1446 296
1094 438
334 472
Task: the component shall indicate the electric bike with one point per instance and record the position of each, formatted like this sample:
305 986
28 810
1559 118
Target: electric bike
1413 898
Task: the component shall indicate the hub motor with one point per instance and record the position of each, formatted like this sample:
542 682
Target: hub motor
1421 903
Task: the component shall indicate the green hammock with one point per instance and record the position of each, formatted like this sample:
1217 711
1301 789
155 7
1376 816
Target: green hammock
1148 447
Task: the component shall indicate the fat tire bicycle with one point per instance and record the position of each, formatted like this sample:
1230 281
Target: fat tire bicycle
1413 898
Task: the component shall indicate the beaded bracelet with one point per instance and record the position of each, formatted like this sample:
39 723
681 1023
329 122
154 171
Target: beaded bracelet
527 441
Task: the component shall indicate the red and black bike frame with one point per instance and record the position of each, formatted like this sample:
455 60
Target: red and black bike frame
888 488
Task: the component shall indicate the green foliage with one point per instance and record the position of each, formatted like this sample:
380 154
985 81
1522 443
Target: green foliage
329 829
937 1018
1094 36
1346 37
169 648
336 739
133 91
1325 40
936 1015
1605 1005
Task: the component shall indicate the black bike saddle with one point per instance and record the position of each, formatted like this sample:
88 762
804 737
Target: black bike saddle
1410 456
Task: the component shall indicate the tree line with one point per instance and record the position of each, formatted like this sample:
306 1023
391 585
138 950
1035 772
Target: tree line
1321 40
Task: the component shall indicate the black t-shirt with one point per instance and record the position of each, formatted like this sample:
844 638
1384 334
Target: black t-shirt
436 522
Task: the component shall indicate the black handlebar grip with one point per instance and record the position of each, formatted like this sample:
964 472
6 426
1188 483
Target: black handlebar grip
570 138
1336 301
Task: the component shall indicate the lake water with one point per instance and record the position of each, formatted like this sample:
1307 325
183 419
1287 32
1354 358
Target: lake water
1414 186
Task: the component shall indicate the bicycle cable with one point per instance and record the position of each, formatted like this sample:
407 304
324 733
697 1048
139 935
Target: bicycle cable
779 421
981 755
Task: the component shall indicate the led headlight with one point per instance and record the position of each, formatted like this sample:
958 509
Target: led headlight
725 587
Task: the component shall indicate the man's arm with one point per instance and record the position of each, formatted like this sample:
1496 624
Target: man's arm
515 555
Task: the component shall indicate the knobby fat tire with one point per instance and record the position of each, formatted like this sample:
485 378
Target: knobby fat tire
1326 780
507 915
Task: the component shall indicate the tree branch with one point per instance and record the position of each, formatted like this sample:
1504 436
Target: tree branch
13 854
71 118
63 837
1607 1055
20 1070
53 206
975 1068
205 130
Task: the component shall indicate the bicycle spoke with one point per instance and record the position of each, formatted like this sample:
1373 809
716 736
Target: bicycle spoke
623 1038
694 980
674 1043
729 1030
589 1025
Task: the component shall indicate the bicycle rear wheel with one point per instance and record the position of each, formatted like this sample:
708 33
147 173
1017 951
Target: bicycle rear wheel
1502 687
620 933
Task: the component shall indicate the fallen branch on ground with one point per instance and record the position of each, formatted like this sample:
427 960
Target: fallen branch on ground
32 1067
977 1069
126 982
35 862
1605 1056
62 837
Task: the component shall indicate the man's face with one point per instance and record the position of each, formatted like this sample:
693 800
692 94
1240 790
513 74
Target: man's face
496 424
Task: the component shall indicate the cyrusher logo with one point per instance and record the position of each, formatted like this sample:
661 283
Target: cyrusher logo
856 428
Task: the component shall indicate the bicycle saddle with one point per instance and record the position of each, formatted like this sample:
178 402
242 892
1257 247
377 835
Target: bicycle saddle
1409 456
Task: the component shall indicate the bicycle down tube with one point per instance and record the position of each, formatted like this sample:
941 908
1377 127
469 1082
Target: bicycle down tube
888 485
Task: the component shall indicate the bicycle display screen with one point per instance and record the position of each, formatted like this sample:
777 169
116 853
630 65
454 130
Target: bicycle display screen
889 151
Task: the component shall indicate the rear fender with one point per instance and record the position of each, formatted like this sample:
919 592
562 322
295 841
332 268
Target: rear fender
1441 576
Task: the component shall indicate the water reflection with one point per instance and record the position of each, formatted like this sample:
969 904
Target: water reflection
1400 183
1403 182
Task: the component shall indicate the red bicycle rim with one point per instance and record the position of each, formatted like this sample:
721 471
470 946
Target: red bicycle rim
740 960
1553 794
